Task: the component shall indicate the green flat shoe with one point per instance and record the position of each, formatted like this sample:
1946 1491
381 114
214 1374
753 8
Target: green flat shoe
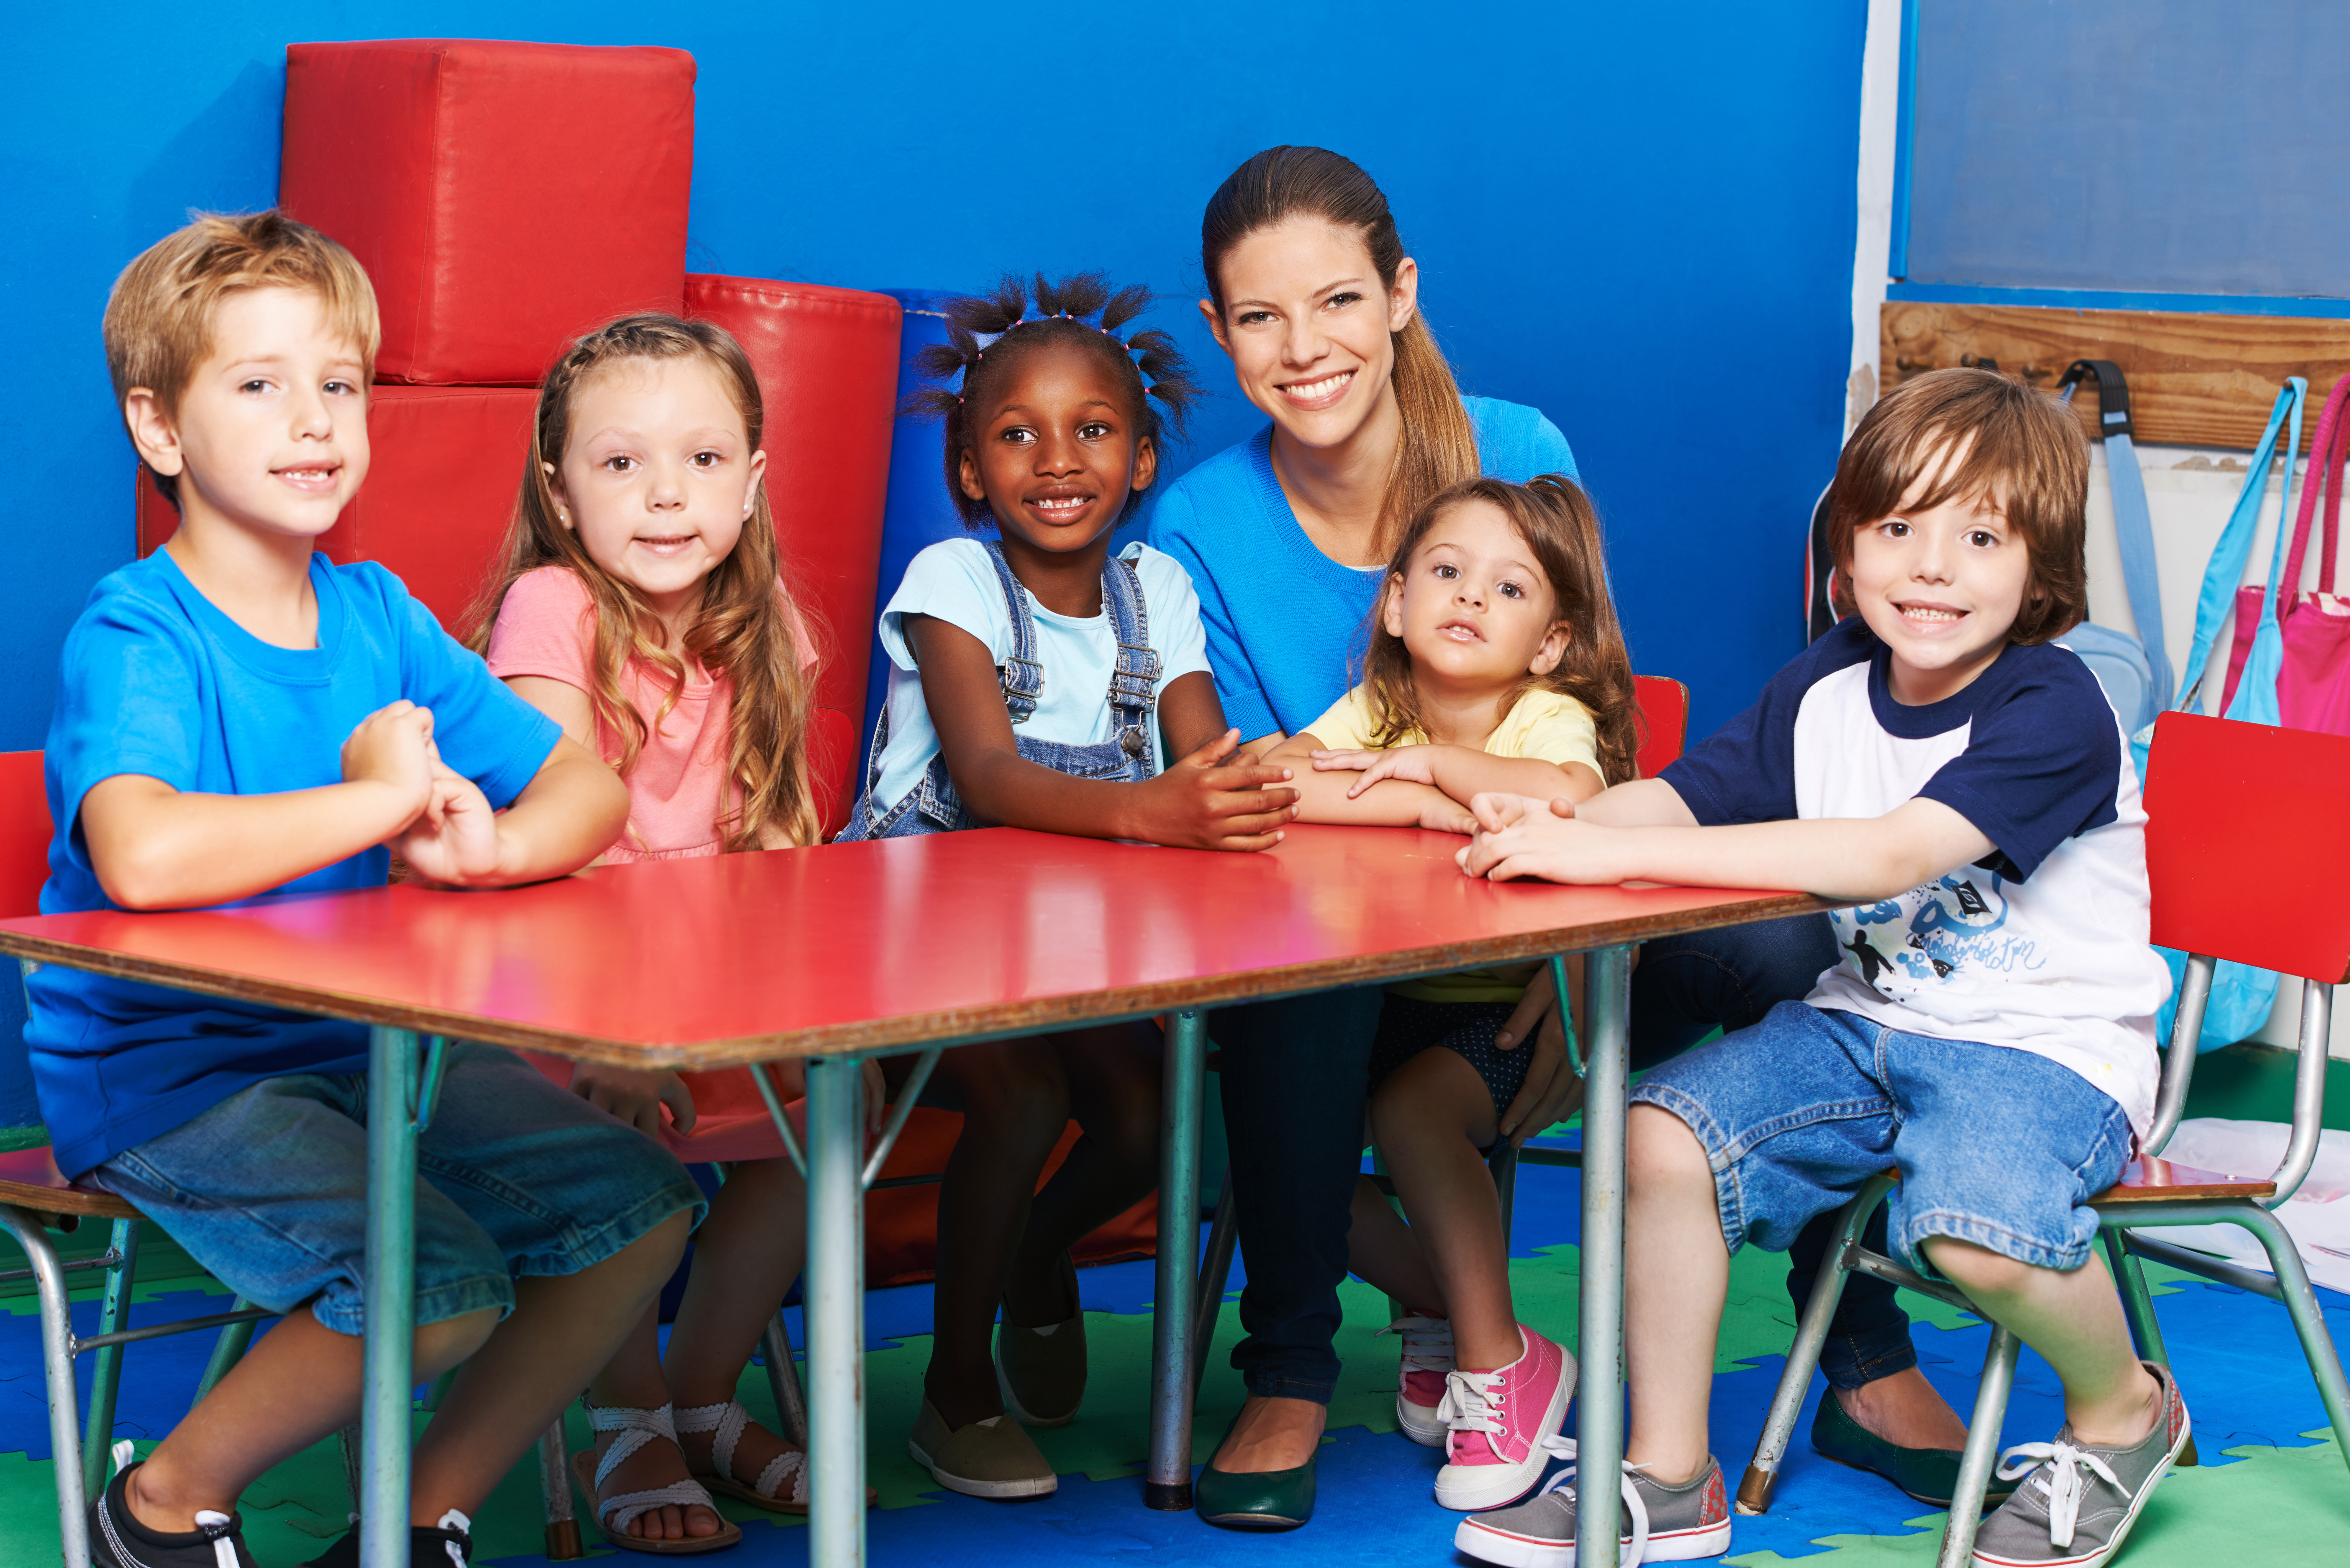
1929 1475
1254 1499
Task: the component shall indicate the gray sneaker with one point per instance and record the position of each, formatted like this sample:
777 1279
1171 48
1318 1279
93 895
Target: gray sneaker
1661 1523
2077 1503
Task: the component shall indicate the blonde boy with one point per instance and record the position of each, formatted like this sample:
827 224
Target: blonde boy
236 716
1940 765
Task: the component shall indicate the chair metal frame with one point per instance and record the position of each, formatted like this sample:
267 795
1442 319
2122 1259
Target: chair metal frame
2181 868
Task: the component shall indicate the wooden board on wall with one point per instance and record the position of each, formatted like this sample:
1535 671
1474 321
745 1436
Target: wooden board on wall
2194 381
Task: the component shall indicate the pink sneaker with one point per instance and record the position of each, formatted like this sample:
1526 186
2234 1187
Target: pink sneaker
1494 1454
1419 1386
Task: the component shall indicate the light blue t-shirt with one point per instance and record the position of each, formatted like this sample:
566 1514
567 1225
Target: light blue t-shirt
155 679
955 581
1285 621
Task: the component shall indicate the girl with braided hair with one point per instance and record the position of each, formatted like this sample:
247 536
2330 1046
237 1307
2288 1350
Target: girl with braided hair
1038 679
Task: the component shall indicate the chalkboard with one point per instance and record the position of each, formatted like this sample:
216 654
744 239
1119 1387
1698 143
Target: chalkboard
2180 145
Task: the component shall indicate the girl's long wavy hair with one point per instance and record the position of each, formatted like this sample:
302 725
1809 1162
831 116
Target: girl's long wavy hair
1440 444
742 633
1556 519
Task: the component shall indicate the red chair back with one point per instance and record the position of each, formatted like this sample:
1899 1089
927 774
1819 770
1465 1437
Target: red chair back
23 833
1664 720
2247 841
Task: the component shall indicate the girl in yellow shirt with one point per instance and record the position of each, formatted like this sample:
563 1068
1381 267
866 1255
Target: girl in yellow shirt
1494 663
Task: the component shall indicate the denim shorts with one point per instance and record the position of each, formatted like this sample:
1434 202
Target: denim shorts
1995 1146
267 1190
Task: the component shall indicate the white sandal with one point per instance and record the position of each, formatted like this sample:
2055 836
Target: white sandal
614 1515
782 1486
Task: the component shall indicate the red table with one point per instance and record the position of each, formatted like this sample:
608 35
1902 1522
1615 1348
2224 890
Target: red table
851 950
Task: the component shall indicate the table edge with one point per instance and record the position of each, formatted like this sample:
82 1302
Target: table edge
916 1030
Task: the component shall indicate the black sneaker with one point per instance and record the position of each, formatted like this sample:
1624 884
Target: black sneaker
448 1544
118 1541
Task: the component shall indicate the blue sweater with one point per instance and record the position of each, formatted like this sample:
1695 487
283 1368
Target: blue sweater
1285 622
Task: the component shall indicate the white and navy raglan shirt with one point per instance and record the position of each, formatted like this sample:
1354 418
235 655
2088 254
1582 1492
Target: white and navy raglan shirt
2042 944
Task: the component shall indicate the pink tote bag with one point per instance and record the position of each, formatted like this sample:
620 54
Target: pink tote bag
2313 685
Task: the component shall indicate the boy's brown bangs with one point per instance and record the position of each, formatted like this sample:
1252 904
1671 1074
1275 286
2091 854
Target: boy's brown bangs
2026 457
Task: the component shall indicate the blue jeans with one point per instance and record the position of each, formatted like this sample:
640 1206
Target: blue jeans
1293 1074
1686 987
268 1189
1996 1145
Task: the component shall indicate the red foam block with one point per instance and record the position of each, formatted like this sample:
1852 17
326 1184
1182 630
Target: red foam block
504 197
826 360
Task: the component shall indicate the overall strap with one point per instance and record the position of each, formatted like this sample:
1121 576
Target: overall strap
2132 523
1022 675
1134 685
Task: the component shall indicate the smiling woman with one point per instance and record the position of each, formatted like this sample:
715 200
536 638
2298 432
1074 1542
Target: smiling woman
1310 293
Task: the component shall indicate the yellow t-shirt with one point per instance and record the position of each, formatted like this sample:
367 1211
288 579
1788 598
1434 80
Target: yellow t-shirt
1547 726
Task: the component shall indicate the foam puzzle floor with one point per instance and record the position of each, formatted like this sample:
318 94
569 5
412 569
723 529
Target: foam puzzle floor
2271 1487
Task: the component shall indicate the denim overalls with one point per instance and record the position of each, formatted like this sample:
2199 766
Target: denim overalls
932 805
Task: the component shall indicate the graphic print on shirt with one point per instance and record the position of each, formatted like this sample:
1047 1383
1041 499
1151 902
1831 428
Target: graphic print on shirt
1930 933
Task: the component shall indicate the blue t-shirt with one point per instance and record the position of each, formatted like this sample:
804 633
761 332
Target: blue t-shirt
2040 945
156 680
1285 622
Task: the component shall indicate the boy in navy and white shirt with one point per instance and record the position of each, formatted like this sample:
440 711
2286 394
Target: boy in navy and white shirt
1950 773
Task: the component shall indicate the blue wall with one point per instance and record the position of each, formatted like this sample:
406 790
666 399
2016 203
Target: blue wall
1639 219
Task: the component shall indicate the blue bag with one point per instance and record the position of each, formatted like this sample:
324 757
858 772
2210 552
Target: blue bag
2241 997
2133 670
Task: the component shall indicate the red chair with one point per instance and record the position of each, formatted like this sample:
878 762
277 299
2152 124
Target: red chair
2254 887
36 1197
1664 720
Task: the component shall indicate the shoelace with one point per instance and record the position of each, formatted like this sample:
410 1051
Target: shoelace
451 1521
1472 1401
2063 1481
1634 1504
214 1526
1426 1342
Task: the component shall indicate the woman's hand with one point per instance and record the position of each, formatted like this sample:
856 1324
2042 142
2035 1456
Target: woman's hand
635 1096
1214 799
1411 764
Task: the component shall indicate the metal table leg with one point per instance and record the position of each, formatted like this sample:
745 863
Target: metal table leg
1599 1421
388 1376
1167 1479
835 1296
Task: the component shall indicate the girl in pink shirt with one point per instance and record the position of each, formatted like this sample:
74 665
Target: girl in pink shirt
640 607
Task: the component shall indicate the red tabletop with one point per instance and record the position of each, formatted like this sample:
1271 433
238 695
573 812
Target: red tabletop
739 958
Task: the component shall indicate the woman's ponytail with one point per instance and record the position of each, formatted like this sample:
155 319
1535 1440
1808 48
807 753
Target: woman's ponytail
1439 449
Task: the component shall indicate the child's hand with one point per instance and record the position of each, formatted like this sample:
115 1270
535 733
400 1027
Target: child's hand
1495 812
456 838
1518 835
1412 764
635 1097
1444 814
393 746
790 1078
1214 800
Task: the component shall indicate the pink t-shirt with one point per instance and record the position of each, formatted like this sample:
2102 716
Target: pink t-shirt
546 627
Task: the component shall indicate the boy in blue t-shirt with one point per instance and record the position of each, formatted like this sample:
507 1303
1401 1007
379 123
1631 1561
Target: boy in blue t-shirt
236 716
1941 764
